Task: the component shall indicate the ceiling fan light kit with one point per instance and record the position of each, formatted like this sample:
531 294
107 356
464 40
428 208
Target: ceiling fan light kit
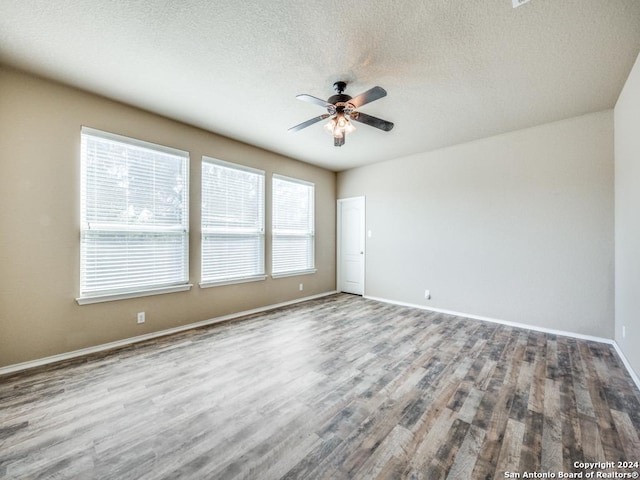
341 109
338 127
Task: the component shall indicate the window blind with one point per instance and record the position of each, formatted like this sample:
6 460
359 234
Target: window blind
134 216
293 222
232 223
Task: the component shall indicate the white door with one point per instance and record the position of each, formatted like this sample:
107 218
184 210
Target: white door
351 241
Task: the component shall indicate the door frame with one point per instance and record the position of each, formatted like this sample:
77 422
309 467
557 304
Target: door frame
339 203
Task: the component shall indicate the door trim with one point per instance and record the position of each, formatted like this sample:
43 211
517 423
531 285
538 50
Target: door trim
339 203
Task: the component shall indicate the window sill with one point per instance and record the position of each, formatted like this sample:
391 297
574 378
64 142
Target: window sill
141 293
311 271
233 281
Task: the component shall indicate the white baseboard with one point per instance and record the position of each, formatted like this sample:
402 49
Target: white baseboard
534 328
634 377
495 320
149 336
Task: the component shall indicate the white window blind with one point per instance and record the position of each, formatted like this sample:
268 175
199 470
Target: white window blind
134 217
232 223
292 227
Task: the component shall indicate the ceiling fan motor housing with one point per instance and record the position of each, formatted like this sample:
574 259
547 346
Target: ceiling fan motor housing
340 100
338 103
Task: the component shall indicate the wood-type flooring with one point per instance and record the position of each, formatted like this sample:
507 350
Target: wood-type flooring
336 388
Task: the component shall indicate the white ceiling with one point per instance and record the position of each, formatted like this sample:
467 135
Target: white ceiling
454 70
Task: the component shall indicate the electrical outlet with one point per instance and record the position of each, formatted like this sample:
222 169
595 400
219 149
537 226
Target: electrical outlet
427 294
301 287
141 317
517 3
624 331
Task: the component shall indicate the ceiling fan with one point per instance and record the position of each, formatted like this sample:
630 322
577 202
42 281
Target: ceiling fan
341 108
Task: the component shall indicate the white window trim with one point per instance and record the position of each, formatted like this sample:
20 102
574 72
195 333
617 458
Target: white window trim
245 279
307 271
294 180
133 141
294 273
144 292
233 281
235 166
140 293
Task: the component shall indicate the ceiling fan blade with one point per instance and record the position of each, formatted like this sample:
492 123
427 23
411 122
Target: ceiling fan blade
308 122
369 96
312 99
372 121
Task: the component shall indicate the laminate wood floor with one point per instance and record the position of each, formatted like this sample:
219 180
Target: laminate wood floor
336 388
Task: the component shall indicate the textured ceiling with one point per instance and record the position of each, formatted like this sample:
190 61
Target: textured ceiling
454 71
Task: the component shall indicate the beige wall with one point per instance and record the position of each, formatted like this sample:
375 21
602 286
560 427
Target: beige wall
517 227
627 214
39 216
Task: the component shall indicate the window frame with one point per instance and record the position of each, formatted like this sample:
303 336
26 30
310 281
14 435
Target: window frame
310 268
260 232
91 295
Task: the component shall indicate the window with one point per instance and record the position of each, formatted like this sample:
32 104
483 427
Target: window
134 218
232 223
293 227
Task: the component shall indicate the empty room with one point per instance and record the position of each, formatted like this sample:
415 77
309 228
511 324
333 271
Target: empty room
319 240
